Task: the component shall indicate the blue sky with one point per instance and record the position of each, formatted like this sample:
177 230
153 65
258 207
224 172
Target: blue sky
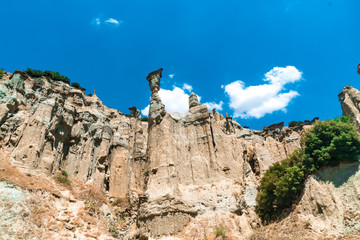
308 49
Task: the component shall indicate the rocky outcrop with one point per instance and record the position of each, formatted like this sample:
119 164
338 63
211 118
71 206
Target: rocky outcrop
181 170
193 100
349 99
330 203
358 69
198 171
47 125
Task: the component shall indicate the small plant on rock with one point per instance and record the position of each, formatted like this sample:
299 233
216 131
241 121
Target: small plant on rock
63 178
220 232
1 72
113 230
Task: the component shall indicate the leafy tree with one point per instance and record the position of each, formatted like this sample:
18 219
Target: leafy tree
330 142
280 186
326 143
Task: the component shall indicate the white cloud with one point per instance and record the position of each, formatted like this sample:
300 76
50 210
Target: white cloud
187 87
212 105
171 75
97 21
256 101
113 21
175 100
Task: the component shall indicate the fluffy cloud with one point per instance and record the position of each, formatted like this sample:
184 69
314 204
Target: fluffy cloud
212 105
187 87
175 100
256 101
171 75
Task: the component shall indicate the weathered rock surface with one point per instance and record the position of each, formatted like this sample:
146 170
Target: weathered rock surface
47 125
331 199
198 171
183 170
349 98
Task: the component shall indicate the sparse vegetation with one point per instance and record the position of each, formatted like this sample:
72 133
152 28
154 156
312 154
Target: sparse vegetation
220 232
327 143
34 73
1 72
39 81
63 178
75 85
53 75
144 119
64 173
113 230
296 123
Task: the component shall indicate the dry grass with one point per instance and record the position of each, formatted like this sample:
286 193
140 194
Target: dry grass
14 176
289 228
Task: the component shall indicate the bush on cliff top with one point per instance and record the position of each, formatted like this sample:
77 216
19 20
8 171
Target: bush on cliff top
75 85
326 143
53 75
1 72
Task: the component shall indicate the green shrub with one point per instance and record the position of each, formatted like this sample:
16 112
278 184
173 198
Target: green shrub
53 75
75 85
34 73
220 232
144 119
280 186
295 123
56 76
330 142
64 173
326 143
64 180
1 73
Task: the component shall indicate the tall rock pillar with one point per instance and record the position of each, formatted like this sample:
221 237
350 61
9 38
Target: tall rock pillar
157 108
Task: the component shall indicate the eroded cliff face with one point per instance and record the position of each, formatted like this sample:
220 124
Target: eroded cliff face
204 169
187 172
47 125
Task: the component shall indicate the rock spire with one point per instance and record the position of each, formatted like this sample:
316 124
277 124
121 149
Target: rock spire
157 108
193 100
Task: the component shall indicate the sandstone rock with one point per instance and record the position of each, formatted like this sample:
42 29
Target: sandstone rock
330 201
349 98
179 169
134 112
193 100
157 108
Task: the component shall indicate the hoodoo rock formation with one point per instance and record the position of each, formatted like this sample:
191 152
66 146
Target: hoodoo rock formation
201 175
183 173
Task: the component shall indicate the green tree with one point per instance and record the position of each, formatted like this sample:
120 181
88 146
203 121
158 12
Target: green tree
329 142
326 143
